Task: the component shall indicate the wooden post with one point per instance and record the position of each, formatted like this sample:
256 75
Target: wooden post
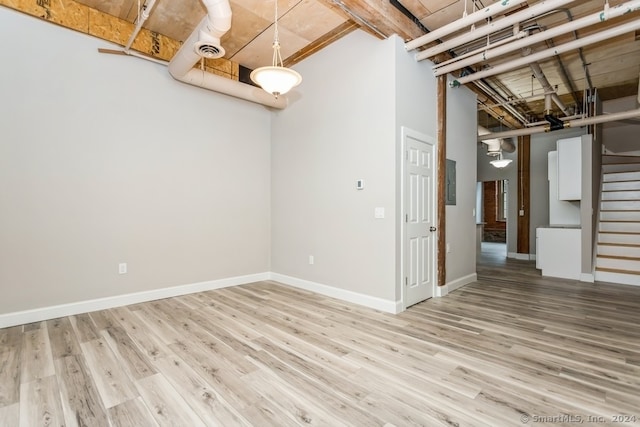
524 186
442 169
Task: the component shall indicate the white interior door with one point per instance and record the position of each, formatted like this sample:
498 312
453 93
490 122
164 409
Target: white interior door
420 217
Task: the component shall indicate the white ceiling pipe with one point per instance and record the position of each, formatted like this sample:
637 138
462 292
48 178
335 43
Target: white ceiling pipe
487 12
592 19
542 79
508 21
557 50
215 25
146 10
573 123
496 96
518 35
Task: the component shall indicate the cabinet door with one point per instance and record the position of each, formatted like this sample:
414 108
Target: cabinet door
570 168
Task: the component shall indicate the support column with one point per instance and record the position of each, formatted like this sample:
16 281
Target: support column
524 186
442 169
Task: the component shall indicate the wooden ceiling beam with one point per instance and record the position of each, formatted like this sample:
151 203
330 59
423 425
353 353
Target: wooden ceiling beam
333 35
380 15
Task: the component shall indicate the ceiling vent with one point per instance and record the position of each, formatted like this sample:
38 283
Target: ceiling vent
208 50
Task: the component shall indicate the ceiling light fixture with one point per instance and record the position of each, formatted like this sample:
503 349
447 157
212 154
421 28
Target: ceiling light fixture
276 79
500 162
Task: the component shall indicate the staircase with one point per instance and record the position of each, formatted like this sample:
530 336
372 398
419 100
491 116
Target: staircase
618 252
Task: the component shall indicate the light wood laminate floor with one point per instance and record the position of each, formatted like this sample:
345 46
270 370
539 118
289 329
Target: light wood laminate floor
510 349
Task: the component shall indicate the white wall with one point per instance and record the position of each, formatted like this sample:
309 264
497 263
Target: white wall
541 144
105 159
462 131
341 129
621 136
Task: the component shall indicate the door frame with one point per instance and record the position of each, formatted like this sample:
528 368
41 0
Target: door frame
406 132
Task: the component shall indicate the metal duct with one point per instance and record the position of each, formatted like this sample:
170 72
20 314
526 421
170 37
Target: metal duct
205 42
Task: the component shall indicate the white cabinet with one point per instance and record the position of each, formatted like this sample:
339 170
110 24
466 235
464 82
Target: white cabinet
558 252
569 168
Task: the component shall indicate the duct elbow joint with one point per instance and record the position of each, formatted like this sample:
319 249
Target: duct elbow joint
554 123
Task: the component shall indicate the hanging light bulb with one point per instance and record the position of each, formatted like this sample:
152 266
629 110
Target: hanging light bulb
276 79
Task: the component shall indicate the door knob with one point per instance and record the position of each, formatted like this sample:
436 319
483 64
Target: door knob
432 228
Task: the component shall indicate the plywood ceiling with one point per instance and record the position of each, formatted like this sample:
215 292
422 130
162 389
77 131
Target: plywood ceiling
612 66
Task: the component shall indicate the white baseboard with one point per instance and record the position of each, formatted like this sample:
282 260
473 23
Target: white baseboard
623 279
587 277
451 286
387 306
53 312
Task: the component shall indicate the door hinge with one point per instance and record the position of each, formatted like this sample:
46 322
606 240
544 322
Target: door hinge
406 281
406 155
406 217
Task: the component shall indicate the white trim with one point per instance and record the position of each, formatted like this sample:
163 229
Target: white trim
523 257
376 303
511 254
623 279
456 284
53 312
587 277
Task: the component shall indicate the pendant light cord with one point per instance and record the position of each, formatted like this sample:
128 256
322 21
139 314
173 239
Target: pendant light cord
277 58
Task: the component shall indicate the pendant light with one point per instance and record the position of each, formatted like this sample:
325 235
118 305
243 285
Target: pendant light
500 162
276 79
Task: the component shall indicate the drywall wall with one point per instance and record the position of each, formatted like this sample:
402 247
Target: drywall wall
106 159
541 144
462 130
621 137
340 130
415 109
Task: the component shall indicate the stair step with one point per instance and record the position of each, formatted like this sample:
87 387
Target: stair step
620 226
619 263
608 159
621 186
620 176
617 276
621 167
621 195
619 238
612 249
622 215
615 205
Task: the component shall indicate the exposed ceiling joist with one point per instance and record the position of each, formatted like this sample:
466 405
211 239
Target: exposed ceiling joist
380 15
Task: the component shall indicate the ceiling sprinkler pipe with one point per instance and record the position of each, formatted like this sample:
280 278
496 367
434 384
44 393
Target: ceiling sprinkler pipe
605 118
595 18
499 24
585 41
484 13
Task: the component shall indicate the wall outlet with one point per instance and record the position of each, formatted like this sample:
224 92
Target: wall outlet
311 260
521 212
122 268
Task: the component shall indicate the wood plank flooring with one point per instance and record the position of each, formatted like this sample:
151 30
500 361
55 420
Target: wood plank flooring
512 347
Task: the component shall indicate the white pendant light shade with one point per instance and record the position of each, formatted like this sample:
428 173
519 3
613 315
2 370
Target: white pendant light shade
275 79
500 162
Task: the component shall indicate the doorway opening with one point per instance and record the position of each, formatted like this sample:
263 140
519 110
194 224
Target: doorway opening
492 201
